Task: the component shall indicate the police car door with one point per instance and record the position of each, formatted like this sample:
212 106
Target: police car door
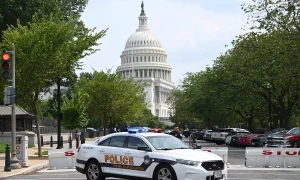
140 166
111 154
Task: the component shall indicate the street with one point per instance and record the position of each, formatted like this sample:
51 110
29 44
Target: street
232 175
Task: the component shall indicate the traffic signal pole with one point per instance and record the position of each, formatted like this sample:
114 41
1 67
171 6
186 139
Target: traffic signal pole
14 162
59 143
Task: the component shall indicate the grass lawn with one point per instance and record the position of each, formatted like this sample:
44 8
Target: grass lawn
2 147
43 153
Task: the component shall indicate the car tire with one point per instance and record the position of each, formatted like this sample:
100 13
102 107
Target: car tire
166 172
93 171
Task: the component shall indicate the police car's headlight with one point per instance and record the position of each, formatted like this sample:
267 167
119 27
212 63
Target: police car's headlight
188 162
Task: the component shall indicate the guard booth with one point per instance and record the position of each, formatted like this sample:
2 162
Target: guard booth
22 150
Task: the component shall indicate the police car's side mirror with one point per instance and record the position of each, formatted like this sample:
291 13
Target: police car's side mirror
144 148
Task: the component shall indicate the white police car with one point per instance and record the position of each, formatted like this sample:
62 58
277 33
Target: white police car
147 155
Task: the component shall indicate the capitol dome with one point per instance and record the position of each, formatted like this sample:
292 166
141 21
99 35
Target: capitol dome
145 60
143 39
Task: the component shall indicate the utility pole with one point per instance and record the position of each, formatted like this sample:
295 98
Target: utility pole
14 162
59 143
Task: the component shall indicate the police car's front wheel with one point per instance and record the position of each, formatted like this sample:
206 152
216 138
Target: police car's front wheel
164 172
93 171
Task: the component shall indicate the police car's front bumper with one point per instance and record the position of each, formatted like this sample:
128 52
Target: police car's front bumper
187 172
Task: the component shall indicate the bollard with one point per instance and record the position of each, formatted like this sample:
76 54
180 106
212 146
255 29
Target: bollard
77 142
62 141
82 138
42 140
51 141
7 167
70 142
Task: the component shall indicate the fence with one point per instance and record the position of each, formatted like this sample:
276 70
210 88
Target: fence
49 130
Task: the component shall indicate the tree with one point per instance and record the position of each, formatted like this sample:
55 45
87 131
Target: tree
74 112
147 119
47 49
12 11
112 99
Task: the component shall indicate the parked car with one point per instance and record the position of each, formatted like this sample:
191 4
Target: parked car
198 134
290 139
245 139
218 135
261 141
186 133
233 133
207 135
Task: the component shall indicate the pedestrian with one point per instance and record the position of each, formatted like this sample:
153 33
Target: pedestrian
176 132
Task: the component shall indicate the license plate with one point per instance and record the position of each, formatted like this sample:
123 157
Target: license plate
218 174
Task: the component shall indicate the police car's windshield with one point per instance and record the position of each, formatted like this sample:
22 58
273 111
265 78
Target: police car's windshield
166 142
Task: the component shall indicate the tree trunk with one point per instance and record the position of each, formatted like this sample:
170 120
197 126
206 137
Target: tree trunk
250 120
286 120
38 134
275 122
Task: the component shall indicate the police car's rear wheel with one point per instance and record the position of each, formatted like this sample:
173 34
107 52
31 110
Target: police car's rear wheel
164 172
93 171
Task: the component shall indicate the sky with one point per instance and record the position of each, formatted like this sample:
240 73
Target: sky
192 32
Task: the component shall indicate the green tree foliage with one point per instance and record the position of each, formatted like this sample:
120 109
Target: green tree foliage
146 120
74 112
12 11
257 81
111 99
47 49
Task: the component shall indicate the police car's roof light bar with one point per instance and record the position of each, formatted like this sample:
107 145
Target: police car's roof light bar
135 130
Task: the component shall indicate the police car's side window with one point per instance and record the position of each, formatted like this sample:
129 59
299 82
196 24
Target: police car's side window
134 142
117 141
105 142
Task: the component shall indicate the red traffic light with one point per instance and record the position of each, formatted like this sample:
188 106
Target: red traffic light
5 56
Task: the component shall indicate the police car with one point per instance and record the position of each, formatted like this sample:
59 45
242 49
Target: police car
146 155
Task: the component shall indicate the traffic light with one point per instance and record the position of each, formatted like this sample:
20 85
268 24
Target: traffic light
6 58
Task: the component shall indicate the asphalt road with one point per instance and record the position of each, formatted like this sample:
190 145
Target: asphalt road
232 175
236 155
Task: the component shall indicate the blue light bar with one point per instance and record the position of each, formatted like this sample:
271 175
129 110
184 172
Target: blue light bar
134 130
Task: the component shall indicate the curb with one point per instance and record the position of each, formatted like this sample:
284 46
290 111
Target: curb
29 170
243 168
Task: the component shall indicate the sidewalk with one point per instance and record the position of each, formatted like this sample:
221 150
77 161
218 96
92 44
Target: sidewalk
35 163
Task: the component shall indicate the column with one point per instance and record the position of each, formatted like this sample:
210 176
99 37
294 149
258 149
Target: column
143 73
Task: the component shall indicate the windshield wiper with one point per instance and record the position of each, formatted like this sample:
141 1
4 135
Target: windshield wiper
182 148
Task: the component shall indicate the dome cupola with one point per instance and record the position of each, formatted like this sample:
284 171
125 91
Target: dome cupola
143 37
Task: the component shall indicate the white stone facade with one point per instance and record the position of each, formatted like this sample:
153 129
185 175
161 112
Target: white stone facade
145 60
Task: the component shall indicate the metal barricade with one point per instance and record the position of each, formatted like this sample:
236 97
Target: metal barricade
62 159
272 157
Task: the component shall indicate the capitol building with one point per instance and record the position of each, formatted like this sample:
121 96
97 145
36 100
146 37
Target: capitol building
145 60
